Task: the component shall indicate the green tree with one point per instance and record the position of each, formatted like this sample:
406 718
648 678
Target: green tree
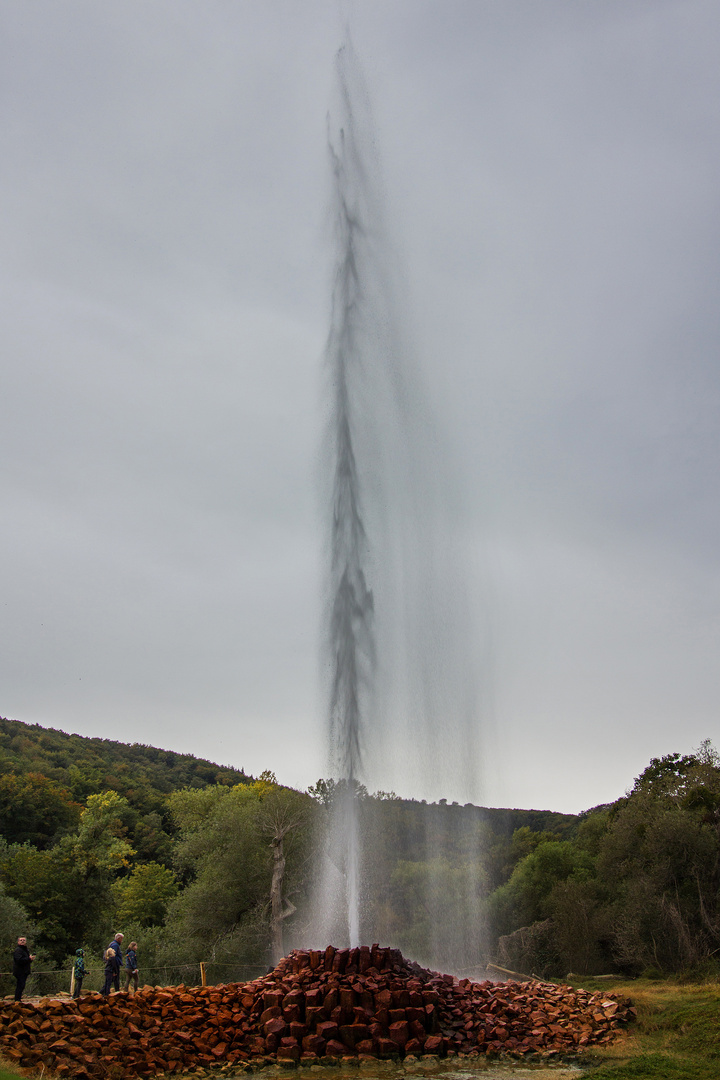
660 858
66 889
45 887
99 848
34 809
526 897
249 848
14 923
143 897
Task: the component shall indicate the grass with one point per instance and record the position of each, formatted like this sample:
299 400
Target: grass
676 1036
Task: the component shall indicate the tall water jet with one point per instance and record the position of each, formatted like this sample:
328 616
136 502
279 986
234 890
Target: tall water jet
351 632
398 653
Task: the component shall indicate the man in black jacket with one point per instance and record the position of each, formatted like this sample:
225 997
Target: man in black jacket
21 966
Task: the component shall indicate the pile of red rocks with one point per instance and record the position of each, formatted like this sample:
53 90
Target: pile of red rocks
315 1007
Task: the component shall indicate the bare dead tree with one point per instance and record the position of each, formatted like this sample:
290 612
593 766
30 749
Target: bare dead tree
281 815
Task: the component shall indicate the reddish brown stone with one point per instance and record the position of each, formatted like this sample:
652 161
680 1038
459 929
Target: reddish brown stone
276 1026
399 1033
335 1048
417 1030
180 1028
313 1044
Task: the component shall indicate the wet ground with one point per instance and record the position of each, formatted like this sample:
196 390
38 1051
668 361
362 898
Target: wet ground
436 1070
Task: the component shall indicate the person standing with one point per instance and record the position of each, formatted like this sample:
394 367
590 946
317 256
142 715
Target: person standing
80 972
112 970
131 966
116 946
22 961
112 958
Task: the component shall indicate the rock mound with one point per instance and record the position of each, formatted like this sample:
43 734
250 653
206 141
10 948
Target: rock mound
314 1007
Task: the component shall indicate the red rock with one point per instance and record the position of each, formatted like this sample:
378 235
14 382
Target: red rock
340 960
335 1048
276 1026
178 1029
399 1033
351 1034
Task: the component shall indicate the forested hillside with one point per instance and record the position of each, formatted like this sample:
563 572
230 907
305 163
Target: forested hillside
96 833
143 774
197 861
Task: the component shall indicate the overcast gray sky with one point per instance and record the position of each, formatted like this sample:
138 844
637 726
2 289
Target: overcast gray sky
551 181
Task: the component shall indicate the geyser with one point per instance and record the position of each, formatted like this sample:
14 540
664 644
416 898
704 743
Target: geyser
351 641
397 644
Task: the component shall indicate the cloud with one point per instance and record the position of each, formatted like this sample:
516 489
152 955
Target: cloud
550 177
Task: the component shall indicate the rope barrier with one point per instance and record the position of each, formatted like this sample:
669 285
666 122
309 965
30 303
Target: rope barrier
242 971
164 967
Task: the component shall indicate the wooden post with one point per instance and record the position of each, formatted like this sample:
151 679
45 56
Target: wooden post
516 976
72 980
203 974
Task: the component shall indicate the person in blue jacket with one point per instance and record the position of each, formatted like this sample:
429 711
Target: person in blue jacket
131 966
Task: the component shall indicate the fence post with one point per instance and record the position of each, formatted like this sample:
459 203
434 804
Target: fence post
72 980
203 974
